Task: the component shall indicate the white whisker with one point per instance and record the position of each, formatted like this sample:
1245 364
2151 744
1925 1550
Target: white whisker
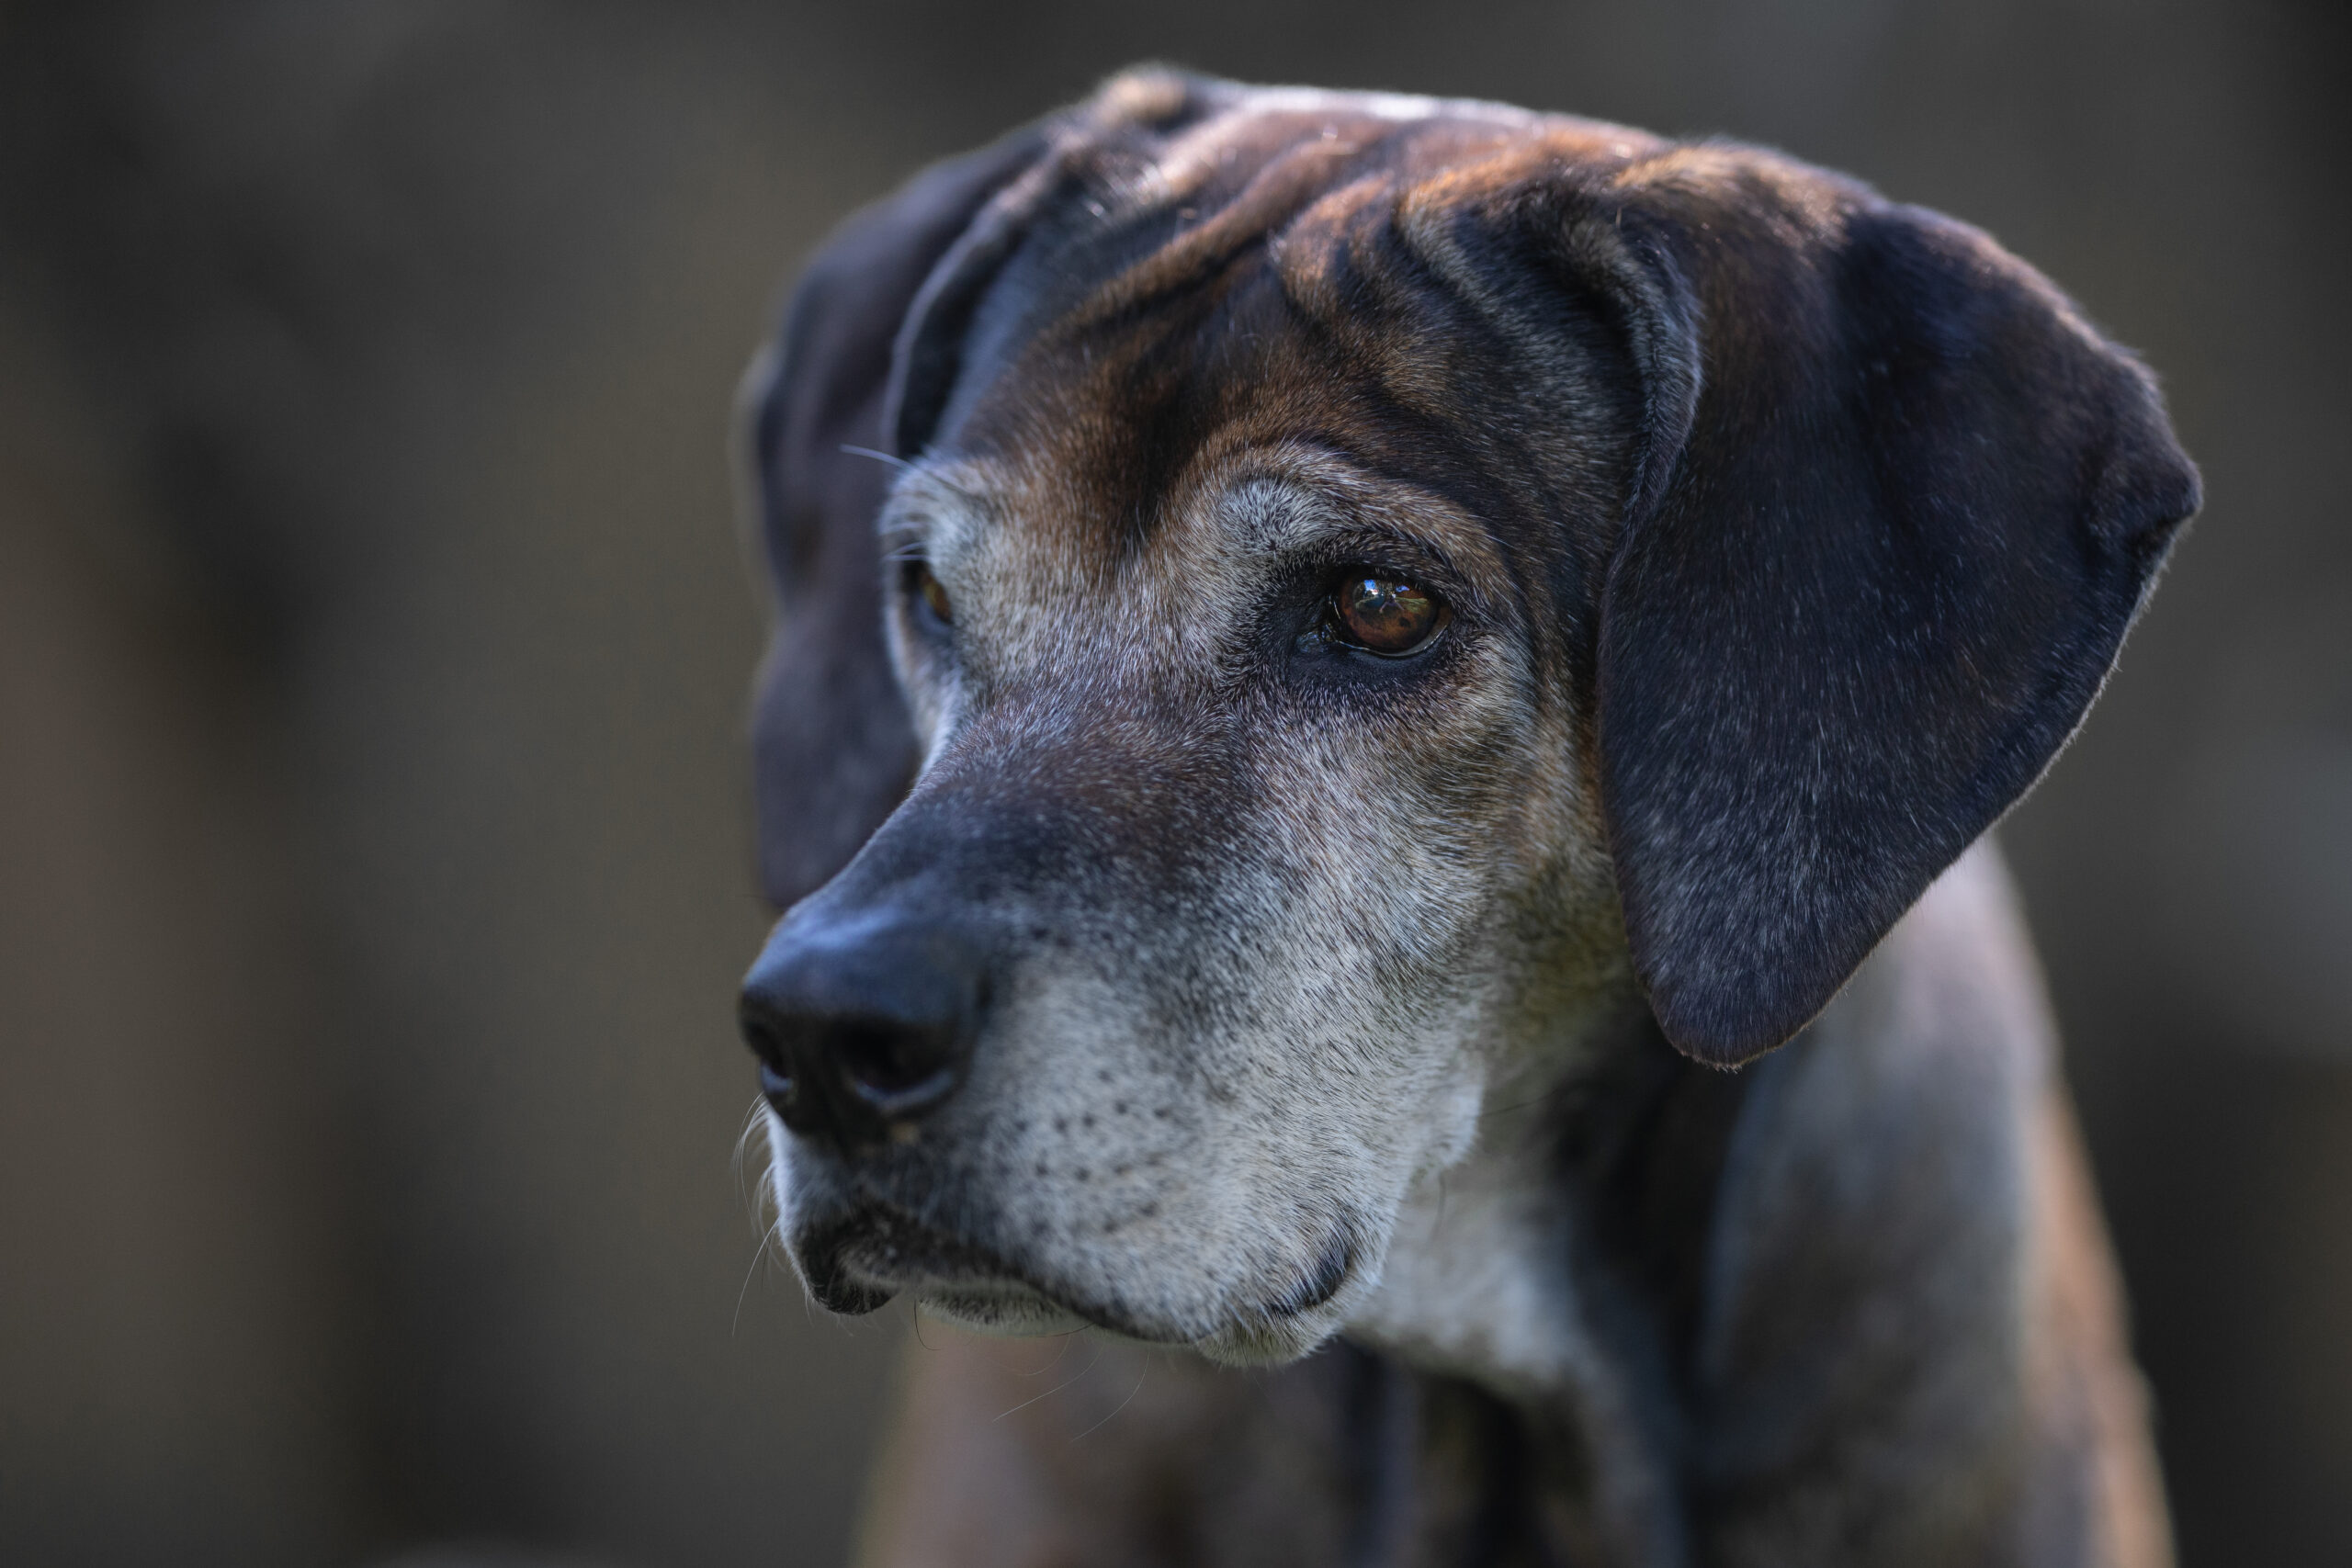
1057 1388
1121 1405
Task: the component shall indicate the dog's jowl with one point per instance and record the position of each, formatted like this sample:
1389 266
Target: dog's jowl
1376 756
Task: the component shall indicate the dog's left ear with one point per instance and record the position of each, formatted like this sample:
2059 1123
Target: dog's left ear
1895 506
833 749
870 350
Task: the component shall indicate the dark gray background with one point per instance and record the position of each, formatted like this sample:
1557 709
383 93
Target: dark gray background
373 857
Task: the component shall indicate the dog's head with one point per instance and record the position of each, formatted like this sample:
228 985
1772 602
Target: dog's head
1293 602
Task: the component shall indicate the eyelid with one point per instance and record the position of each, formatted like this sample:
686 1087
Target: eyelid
1385 552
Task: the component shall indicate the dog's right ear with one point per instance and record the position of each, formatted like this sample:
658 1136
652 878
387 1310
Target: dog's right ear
1895 505
833 747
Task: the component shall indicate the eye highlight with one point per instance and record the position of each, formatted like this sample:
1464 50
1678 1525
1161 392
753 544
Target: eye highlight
1384 613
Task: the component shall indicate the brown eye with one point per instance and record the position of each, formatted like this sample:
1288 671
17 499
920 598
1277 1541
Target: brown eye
933 594
1386 614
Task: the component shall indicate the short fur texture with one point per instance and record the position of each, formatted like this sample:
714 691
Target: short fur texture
1787 534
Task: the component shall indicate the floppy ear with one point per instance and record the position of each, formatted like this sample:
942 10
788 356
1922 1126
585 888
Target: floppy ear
1896 506
833 747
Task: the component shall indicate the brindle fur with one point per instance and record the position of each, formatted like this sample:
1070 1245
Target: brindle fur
1788 534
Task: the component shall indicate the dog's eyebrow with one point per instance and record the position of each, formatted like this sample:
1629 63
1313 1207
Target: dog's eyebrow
923 497
1369 542
1341 506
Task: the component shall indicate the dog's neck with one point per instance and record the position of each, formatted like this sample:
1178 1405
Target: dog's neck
1556 1266
1479 1281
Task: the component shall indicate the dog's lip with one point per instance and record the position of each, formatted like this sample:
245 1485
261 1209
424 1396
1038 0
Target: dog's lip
1332 1267
893 1250
865 1258
842 1265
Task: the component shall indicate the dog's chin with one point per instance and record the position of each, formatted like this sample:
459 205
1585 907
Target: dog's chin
1005 1308
861 1262
1013 1309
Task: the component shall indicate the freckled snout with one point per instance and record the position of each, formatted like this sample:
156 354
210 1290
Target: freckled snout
863 1025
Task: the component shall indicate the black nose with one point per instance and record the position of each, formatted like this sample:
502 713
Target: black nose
862 1026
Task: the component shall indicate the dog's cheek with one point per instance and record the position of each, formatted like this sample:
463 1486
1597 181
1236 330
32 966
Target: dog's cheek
1401 830
1365 977
1164 1169
1078 1149
1397 851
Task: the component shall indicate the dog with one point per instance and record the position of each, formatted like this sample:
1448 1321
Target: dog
1378 751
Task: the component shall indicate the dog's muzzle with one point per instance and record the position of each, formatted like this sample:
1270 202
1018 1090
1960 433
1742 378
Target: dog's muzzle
865 1023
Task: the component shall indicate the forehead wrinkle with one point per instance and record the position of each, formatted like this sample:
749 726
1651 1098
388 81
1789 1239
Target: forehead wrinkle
1306 179
1296 169
1290 179
1301 180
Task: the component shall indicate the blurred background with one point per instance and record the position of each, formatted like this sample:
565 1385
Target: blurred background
374 858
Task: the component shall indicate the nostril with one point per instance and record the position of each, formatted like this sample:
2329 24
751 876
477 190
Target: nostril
778 1081
765 1039
897 1068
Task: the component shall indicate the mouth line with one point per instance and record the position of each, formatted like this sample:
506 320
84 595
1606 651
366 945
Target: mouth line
1331 1266
865 1258
860 1261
